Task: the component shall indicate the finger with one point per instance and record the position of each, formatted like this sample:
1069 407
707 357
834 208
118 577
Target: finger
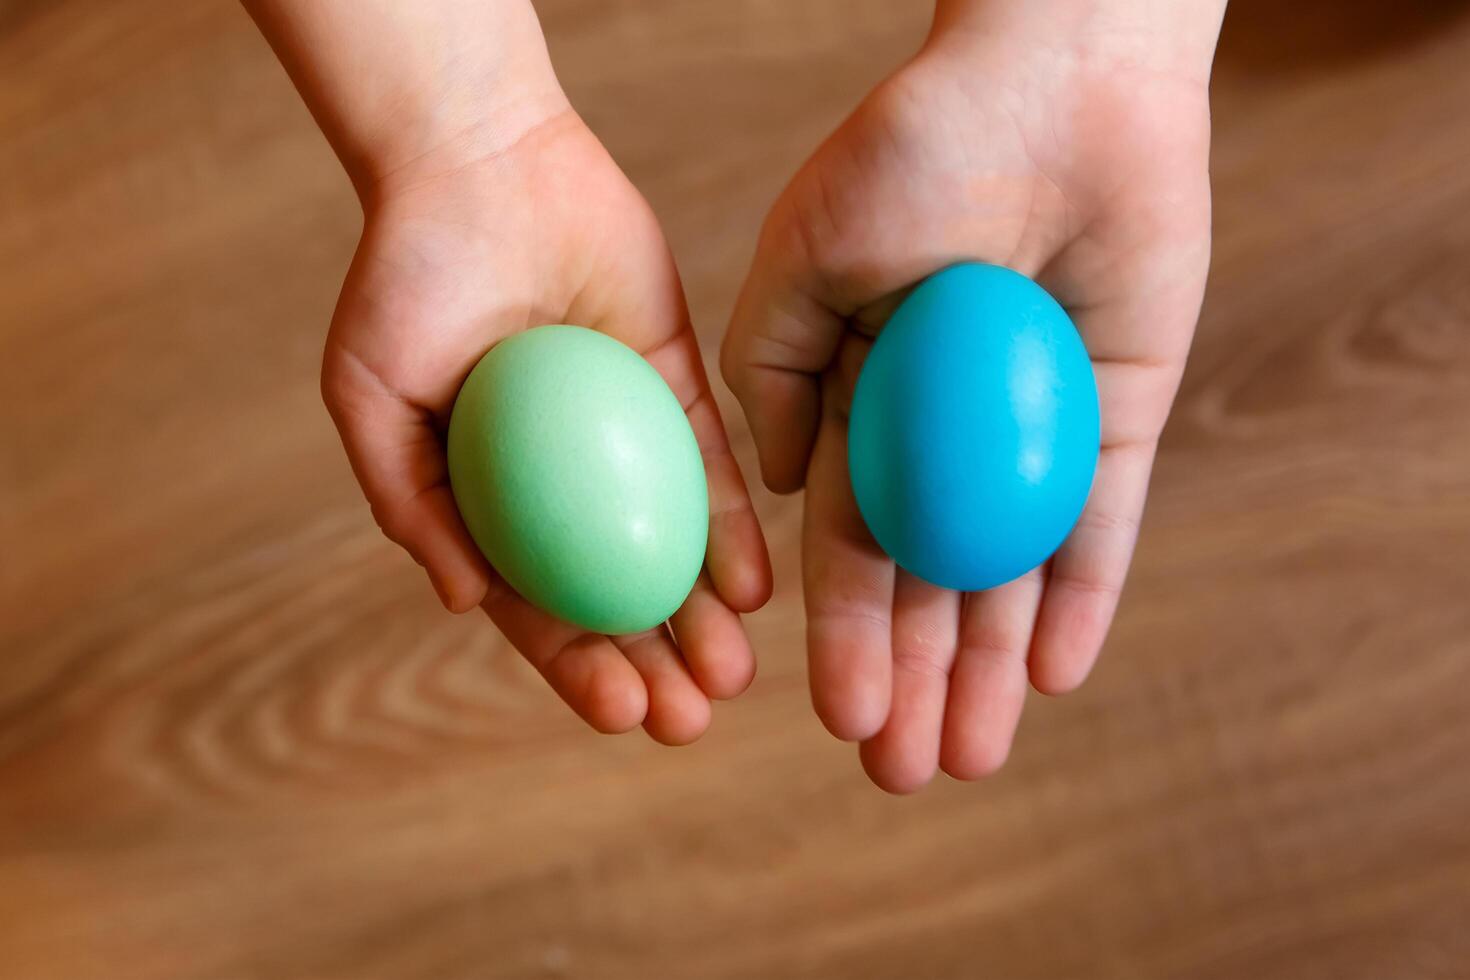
904 756
713 642
987 688
738 562
398 459
1138 330
678 711
586 670
781 337
849 584
1087 573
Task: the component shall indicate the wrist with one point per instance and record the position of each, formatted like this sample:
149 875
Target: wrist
1175 37
427 142
406 89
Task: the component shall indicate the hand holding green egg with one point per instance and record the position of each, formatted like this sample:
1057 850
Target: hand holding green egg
463 257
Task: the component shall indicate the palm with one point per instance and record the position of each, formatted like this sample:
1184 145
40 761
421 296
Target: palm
1096 186
454 260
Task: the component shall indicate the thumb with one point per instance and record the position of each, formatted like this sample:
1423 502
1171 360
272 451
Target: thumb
396 456
781 337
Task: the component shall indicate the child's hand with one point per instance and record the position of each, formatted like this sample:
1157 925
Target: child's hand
489 209
1046 136
455 258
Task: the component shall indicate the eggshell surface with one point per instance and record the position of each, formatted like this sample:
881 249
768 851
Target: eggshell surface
577 474
974 430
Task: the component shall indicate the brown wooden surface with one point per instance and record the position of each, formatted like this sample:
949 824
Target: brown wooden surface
238 738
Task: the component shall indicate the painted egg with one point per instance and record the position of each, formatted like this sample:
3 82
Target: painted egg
579 477
974 431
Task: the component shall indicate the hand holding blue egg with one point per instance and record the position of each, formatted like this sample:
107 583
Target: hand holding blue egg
974 432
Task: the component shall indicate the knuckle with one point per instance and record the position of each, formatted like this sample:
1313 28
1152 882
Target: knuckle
731 362
330 382
1093 586
920 661
923 646
1105 521
395 524
848 591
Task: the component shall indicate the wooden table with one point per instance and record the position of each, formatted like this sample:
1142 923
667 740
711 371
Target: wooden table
238 738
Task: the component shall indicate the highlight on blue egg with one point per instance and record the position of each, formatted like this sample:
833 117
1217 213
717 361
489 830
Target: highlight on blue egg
974 431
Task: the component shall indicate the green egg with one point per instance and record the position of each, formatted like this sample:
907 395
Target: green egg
579 477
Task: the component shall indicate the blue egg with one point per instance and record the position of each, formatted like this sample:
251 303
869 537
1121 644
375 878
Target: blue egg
974 432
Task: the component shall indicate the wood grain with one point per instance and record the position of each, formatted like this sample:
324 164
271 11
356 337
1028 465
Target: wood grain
239 740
